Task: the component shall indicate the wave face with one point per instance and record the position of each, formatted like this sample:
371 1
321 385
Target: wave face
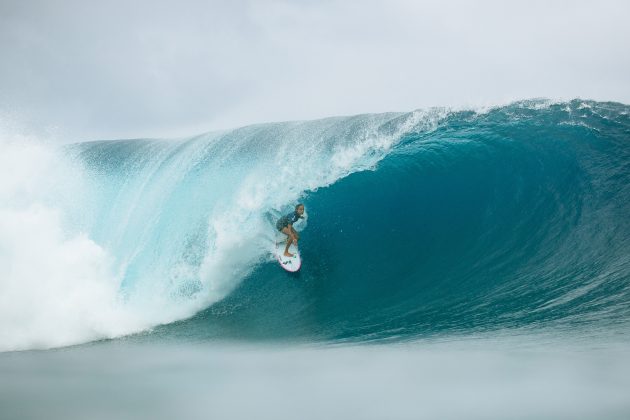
419 223
516 218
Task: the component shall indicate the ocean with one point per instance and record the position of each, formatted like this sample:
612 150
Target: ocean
470 263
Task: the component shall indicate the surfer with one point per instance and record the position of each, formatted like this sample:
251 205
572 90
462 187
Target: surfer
285 225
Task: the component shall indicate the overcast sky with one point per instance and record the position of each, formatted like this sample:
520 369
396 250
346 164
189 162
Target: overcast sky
86 70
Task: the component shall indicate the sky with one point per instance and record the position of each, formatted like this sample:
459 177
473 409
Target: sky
87 70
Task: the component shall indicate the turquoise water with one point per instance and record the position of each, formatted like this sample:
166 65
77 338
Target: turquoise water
449 239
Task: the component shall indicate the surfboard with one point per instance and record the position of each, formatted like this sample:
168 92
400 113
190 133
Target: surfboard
291 264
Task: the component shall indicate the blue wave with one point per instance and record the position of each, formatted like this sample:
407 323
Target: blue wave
516 217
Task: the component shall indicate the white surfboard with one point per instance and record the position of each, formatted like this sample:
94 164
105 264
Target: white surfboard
291 264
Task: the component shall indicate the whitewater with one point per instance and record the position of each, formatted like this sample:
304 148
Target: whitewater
508 227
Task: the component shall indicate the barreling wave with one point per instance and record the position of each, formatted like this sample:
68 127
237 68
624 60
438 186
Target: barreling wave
420 223
515 218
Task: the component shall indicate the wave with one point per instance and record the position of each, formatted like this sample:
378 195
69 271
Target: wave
427 222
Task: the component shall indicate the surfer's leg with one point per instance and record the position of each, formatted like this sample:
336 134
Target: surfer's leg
289 234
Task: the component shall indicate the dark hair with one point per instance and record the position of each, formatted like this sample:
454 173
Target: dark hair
298 206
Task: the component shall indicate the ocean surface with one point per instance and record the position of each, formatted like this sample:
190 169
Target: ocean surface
456 264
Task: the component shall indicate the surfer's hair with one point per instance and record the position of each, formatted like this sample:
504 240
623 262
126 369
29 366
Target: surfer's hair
298 206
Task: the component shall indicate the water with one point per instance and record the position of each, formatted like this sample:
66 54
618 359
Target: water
476 379
446 254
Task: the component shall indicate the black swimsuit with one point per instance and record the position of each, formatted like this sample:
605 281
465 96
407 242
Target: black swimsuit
287 220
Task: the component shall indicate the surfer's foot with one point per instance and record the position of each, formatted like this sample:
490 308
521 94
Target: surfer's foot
288 254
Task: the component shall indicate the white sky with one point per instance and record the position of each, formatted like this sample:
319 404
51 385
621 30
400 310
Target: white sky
85 70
